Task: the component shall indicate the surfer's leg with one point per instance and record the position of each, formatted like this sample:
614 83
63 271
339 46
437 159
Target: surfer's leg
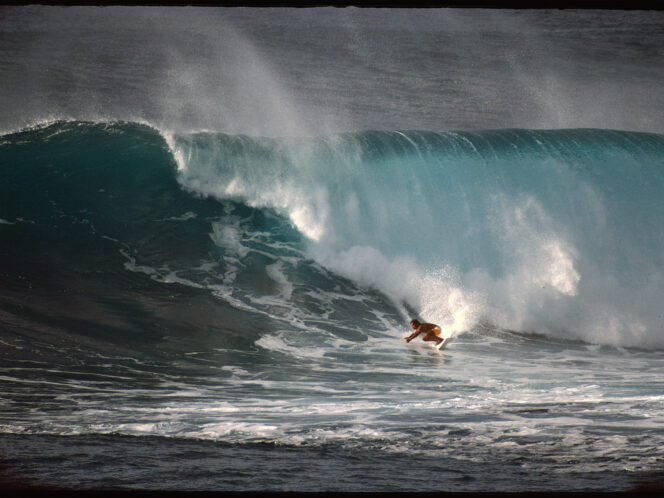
431 336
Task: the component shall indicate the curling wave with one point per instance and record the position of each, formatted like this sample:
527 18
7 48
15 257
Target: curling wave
556 232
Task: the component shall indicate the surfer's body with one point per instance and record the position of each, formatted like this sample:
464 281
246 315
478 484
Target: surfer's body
431 331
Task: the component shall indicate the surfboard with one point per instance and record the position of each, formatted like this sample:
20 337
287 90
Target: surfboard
441 345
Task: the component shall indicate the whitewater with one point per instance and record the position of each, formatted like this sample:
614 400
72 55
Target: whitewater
216 225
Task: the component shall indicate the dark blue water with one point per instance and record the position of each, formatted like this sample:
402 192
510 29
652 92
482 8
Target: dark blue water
199 278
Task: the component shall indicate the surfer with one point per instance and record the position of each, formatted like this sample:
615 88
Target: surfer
430 330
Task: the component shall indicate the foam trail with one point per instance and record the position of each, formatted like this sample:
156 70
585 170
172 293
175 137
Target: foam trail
275 272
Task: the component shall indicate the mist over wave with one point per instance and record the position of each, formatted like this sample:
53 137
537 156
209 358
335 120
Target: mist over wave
311 72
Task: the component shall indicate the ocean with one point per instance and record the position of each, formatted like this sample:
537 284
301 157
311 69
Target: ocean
217 223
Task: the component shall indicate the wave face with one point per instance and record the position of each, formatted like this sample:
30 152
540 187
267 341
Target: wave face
552 232
98 230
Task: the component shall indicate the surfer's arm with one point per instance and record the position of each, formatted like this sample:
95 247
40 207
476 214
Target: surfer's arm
412 336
